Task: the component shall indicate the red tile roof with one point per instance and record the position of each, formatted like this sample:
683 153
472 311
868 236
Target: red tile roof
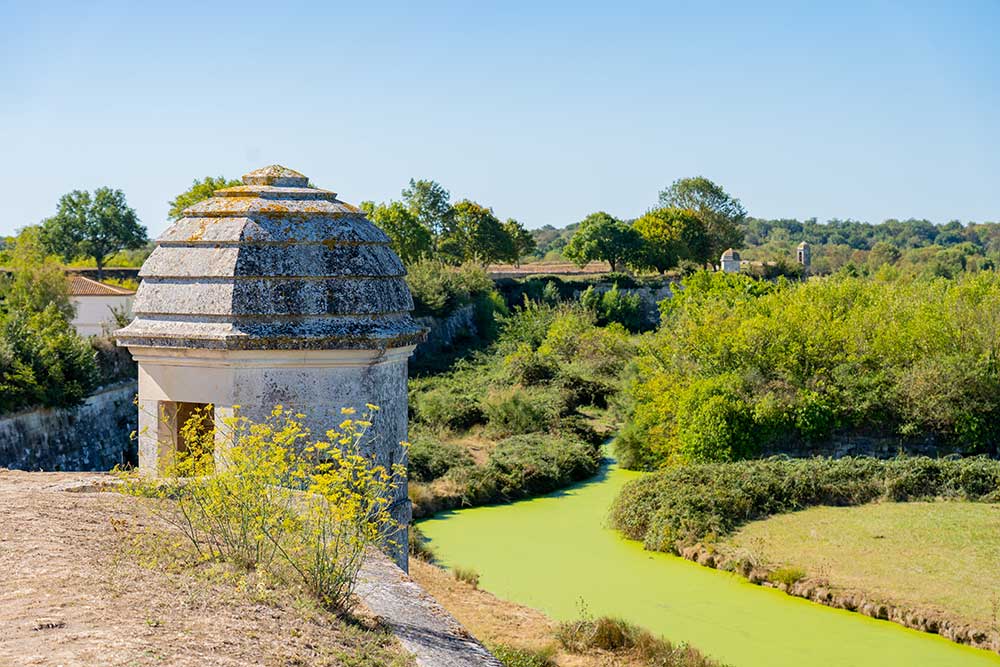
81 286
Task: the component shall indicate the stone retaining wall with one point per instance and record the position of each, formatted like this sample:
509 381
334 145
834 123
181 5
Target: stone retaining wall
91 436
445 331
848 444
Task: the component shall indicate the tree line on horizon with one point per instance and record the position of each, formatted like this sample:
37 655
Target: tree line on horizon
671 232
692 223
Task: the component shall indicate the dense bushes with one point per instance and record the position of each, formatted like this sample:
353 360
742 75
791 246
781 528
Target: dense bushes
554 288
528 465
430 458
513 656
519 404
549 361
438 288
740 365
43 362
685 504
614 306
520 466
619 637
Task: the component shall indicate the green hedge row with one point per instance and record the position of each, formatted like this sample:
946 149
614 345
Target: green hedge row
682 505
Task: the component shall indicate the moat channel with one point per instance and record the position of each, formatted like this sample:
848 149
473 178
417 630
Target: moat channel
555 553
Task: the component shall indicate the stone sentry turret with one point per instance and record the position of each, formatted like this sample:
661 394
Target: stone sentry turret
803 255
273 292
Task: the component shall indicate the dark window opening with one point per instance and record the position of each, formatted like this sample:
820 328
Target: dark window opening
195 429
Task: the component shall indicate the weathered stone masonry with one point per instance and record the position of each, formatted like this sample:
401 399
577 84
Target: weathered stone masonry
274 292
95 435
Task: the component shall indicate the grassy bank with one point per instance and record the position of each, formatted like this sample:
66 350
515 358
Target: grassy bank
938 556
703 502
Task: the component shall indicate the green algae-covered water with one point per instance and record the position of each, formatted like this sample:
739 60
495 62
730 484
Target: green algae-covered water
554 553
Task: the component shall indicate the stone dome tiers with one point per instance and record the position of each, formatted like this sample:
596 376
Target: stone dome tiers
272 264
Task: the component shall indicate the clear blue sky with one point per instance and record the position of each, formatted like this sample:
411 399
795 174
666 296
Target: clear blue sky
547 113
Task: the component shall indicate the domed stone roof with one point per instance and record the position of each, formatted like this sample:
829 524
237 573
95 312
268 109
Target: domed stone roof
272 264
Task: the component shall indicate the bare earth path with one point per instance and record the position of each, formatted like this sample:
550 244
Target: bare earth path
72 596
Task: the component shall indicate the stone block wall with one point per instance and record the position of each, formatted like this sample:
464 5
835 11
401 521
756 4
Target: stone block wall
91 436
850 444
445 331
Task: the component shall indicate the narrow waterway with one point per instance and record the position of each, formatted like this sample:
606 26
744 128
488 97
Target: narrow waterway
555 554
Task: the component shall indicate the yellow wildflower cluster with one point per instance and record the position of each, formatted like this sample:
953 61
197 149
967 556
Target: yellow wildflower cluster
266 494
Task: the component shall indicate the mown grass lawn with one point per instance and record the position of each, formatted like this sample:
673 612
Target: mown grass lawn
928 555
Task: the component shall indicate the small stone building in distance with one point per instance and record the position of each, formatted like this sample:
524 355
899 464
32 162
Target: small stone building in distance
730 261
803 255
273 292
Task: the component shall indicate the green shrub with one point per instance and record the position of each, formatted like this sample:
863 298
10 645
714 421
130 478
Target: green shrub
577 427
527 367
488 308
418 547
517 410
43 362
684 504
512 656
713 423
446 403
614 306
430 458
576 391
618 636
527 324
786 575
466 574
527 465
739 364
438 288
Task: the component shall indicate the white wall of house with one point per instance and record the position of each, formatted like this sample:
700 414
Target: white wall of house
92 312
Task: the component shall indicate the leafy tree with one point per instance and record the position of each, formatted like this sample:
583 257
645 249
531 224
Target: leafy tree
671 235
93 226
411 240
431 204
883 253
521 239
50 364
199 191
602 237
37 280
614 305
722 214
478 234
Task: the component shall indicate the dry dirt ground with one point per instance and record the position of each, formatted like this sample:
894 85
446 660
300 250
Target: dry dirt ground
495 621
77 591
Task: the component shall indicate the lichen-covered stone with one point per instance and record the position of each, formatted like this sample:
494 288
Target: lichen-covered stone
272 264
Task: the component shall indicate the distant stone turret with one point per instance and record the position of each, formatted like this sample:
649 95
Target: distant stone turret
803 255
730 261
273 292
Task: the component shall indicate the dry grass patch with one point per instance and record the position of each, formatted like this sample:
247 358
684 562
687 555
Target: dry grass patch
83 588
936 556
497 622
